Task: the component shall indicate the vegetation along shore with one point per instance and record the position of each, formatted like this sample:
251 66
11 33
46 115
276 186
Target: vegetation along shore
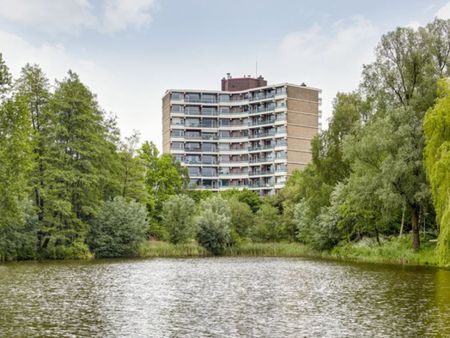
377 188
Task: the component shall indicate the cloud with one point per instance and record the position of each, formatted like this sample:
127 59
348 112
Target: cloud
444 11
329 56
120 14
70 16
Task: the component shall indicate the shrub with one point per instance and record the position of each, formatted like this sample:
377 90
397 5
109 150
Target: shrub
242 218
213 223
119 229
269 226
18 241
177 218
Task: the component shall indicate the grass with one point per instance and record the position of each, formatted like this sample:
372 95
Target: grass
270 250
153 249
392 250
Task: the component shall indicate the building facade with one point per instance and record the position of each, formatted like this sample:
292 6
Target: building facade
248 135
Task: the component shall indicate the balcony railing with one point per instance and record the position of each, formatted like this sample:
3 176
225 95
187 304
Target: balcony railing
260 173
260 135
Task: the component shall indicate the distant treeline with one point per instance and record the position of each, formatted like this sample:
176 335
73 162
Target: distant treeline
71 188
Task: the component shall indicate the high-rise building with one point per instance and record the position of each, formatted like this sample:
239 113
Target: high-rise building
247 135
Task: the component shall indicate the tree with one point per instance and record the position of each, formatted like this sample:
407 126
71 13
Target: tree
15 163
164 176
242 218
177 218
34 87
78 168
268 225
132 176
249 197
118 229
437 162
213 224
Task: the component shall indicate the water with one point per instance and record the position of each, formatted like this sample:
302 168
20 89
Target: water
222 297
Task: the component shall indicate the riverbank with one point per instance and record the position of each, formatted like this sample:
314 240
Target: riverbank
393 250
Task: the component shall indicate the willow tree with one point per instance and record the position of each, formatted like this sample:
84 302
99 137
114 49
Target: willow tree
437 161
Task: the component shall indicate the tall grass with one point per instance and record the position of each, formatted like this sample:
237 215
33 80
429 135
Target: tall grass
392 250
152 248
270 249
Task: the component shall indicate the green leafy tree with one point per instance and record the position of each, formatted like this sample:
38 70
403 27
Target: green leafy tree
132 178
242 219
77 163
34 87
213 224
268 225
15 162
177 218
437 161
164 176
118 229
249 197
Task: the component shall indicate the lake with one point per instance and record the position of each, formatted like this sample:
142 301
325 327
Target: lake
222 297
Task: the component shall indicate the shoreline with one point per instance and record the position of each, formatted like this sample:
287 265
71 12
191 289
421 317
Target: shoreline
352 253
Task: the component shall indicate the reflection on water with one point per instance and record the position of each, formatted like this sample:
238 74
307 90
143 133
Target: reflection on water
265 297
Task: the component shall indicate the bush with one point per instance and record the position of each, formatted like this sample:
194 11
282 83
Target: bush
242 218
213 223
18 241
177 218
269 226
119 229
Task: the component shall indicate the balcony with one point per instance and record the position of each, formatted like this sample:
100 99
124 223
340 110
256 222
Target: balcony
264 134
261 160
260 173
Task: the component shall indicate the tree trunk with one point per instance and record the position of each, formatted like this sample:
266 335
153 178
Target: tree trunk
415 229
403 221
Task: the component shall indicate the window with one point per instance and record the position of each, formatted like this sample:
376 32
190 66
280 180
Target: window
177 108
209 123
177 133
177 121
194 171
209 111
209 147
209 98
177 145
177 96
224 110
224 98
224 146
192 110
281 91
207 171
192 97
192 122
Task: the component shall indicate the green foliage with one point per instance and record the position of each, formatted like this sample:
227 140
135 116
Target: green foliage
119 229
76 166
18 240
164 176
437 162
213 224
249 197
132 177
177 218
268 225
242 219
15 165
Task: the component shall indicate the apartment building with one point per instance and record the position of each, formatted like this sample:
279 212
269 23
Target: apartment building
247 135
